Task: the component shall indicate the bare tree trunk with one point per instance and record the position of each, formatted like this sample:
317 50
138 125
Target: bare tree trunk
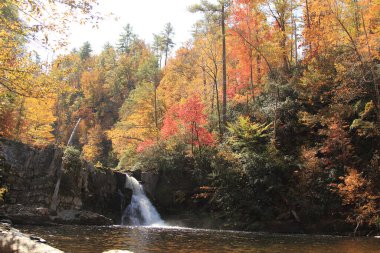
155 107
294 35
218 109
277 94
372 69
166 54
251 74
204 82
224 68
212 99
308 23
19 119
258 69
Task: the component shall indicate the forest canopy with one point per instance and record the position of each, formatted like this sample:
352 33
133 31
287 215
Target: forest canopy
278 97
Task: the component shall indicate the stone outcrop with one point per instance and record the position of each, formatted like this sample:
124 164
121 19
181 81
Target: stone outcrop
11 240
171 192
30 174
81 218
117 251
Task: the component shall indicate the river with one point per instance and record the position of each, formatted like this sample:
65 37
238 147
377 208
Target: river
93 239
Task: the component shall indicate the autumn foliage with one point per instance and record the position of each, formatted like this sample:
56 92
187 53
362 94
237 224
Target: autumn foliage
189 120
289 129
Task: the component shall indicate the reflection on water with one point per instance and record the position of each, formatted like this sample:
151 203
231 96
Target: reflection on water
86 239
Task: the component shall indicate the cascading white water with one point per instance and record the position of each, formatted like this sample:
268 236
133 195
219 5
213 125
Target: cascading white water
140 211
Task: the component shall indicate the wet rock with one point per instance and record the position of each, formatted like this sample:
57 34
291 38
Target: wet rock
118 251
38 239
6 221
12 240
81 218
19 214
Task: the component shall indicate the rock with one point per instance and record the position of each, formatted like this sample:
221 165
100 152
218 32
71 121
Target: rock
19 214
42 211
38 239
12 240
117 251
6 221
81 218
31 174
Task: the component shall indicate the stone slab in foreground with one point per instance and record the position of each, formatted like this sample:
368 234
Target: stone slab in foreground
12 241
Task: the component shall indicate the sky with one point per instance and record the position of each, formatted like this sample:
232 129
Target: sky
145 16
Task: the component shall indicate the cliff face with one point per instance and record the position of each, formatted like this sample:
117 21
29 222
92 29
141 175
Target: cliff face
30 175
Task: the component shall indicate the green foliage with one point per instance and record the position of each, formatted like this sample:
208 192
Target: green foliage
248 135
85 51
71 158
72 166
254 180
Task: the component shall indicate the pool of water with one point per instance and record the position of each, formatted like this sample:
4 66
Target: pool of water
93 239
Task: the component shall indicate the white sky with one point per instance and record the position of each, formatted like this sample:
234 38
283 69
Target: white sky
145 16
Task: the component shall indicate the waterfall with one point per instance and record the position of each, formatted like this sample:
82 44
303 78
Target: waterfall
140 211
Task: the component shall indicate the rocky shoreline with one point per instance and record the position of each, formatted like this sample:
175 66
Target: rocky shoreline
12 240
24 215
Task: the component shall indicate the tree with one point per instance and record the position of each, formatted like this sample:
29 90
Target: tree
158 47
85 51
92 150
210 9
208 46
249 31
126 40
32 21
187 119
167 39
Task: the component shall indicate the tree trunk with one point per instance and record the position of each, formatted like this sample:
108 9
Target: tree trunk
224 68
251 75
166 54
19 119
218 109
277 94
155 107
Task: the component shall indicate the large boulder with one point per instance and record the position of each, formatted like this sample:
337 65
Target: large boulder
27 215
12 240
81 218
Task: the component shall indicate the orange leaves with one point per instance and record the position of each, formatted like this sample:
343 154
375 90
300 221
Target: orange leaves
185 122
356 191
189 120
144 145
170 125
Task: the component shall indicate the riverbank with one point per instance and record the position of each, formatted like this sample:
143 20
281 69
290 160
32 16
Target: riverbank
12 240
95 239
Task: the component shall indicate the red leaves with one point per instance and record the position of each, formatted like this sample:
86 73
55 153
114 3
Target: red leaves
188 119
144 145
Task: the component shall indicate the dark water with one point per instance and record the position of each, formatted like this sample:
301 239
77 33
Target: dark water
86 239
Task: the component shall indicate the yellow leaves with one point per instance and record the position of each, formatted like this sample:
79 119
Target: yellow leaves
38 121
137 120
93 148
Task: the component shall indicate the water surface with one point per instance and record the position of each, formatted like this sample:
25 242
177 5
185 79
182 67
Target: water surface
93 239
